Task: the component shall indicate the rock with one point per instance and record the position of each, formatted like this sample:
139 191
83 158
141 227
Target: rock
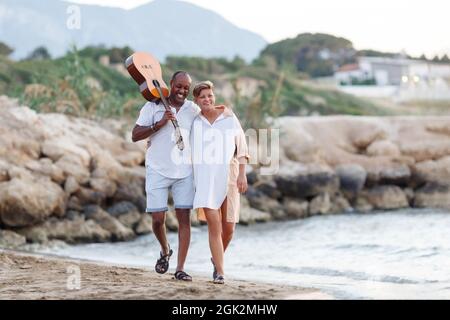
133 193
76 231
131 158
383 148
73 215
339 204
10 239
72 166
252 177
432 171
130 219
122 207
295 208
320 204
144 225
387 197
88 196
46 167
269 188
395 174
260 201
4 168
74 204
104 186
433 195
249 215
351 178
409 192
63 146
308 184
362 204
118 231
71 185
426 148
362 139
26 202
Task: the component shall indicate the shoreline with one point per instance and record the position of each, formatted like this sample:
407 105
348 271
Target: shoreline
33 276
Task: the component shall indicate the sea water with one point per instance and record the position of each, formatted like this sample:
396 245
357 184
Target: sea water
402 254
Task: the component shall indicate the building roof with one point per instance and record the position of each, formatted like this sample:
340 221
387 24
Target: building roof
349 67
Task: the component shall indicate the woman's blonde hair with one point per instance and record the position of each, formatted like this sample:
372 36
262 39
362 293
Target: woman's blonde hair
202 86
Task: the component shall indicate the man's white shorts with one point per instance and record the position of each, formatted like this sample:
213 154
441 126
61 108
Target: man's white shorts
157 189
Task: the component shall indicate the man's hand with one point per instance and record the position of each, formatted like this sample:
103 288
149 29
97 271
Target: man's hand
242 182
168 115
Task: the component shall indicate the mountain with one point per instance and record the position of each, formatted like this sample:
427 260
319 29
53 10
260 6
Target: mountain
163 27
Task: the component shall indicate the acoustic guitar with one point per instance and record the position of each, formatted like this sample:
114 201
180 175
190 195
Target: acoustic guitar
146 71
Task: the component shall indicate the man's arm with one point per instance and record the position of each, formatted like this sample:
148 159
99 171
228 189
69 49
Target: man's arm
143 132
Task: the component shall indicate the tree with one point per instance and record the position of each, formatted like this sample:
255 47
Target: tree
5 50
423 57
445 59
40 53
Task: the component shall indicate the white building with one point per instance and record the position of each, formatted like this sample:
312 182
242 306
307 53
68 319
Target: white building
399 78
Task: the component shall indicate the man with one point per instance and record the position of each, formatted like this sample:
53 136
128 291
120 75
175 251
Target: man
166 167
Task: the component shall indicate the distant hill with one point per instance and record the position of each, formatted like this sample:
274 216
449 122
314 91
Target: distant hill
163 27
314 54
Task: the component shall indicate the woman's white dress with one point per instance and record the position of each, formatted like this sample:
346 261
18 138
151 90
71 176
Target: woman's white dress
216 149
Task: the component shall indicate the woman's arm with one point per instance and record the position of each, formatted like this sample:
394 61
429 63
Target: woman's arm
242 177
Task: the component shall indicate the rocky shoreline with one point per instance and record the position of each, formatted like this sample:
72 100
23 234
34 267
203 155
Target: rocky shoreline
75 180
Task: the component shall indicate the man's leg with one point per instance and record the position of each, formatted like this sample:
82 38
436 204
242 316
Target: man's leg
159 229
184 236
156 187
183 198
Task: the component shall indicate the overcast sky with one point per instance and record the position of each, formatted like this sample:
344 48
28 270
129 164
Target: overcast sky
417 26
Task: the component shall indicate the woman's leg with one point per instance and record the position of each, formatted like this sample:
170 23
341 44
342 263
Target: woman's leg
227 227
215 237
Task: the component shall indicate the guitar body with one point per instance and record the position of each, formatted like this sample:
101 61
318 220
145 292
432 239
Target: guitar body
145 70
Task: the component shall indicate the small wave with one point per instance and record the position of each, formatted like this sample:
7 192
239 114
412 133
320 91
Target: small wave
354 275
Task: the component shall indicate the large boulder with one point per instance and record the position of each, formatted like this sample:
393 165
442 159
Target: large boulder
10 239
387 197
433 195
249 215
295 208
437 171
118 231
352 178
307 184
70 231
24 202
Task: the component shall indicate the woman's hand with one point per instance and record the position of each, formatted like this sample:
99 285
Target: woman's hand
242 182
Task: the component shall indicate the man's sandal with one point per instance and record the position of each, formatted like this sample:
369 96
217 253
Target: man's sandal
162 264
181 275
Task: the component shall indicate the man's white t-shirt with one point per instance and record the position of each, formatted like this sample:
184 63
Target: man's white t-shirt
163 155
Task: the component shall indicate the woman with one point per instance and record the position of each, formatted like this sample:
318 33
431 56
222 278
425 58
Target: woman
219 154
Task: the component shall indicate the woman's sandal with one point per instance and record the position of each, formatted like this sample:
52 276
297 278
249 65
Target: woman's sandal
181 275
162 264
219 280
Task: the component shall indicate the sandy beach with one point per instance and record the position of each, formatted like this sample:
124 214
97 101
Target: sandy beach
40 277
